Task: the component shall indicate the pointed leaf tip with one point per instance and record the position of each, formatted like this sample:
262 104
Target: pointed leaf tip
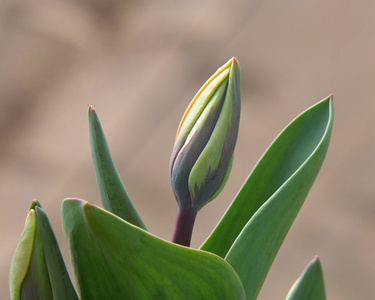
310 285
91 110
114 196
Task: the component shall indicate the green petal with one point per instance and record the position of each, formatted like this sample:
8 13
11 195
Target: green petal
310 285
214 163
113 259
36 284
38 270
112 191
200 100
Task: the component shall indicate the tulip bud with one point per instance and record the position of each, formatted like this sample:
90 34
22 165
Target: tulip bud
203 150
37 270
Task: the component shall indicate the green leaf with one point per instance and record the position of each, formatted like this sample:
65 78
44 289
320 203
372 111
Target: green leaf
112 191
62 288
114 259
252 230
310 285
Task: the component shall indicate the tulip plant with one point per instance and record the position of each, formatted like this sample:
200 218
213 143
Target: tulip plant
115 257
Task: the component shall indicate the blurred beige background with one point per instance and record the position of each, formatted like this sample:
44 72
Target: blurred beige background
139 63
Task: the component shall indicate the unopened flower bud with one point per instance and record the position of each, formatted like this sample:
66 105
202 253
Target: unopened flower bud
203 150
38 270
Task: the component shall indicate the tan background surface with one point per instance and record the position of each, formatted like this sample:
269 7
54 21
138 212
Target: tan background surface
140 63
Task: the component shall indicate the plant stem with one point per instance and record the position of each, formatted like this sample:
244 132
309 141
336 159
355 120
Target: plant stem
184 226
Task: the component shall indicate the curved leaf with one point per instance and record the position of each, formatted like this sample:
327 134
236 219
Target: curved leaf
114 196
62 288
256 223
254 250
289 151
113 259
310 285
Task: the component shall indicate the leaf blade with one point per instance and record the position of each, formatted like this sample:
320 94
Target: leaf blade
114 196
310 285
268 175
130 262
255 248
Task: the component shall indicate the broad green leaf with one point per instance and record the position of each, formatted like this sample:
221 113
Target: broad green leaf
62 288
290 150
304 145
272 197
310 285
113 259
112 191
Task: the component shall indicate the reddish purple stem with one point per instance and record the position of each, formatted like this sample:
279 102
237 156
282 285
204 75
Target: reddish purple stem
184 226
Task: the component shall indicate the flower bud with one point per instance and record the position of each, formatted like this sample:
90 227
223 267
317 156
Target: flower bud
203 150
38 270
